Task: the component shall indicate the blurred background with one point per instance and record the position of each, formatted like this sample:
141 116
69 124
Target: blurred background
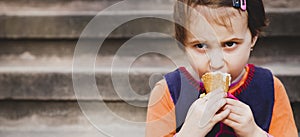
37 43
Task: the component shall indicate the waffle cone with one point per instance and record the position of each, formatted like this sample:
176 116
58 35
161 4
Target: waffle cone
215 80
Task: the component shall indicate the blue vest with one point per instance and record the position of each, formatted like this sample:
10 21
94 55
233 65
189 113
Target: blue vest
257 92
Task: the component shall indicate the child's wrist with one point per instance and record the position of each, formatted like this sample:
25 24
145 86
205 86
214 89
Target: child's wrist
256 132
268 135
261 133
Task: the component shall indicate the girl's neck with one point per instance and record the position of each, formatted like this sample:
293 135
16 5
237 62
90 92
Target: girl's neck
237 79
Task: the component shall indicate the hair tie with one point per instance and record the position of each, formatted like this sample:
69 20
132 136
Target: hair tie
239 4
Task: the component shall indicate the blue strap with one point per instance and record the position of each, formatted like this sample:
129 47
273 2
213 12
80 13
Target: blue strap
174 84
259 95
178 83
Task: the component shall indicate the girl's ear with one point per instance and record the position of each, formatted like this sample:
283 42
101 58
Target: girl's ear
254 39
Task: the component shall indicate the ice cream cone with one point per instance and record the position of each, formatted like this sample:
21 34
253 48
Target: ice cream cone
215 80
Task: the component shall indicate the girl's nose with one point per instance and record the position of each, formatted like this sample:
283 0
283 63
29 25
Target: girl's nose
216 64
216 60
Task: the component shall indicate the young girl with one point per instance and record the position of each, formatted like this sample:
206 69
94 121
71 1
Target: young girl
218 35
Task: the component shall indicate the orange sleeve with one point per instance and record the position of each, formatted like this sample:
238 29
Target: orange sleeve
161 112
282 122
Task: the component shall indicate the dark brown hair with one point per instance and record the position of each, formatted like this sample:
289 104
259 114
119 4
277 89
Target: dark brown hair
255 9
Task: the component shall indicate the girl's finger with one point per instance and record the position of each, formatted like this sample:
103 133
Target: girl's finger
210 112
215 92
214 108
234 117
213 99
235 102
231 123
234 109
220 116
215 95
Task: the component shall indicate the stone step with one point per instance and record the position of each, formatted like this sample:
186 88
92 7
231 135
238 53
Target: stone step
283 23
9 6
40 79
281 4
78 6
63 19
64 48
66 119
61 132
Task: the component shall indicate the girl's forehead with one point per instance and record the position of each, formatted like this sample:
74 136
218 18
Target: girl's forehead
216 23
224 16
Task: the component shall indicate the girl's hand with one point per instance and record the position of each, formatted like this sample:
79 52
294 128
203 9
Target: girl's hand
202 115
241 119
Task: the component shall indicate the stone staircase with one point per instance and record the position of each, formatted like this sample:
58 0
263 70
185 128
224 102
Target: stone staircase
38 40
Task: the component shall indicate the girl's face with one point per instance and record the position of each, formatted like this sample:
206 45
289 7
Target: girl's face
218 40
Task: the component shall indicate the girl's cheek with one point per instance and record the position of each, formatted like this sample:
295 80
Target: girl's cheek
197 61
236 62
202 67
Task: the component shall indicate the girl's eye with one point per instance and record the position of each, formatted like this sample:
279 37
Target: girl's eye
230 44
201 46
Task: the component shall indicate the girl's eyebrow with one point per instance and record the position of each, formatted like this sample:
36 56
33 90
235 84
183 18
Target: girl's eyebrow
234 39
196 41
